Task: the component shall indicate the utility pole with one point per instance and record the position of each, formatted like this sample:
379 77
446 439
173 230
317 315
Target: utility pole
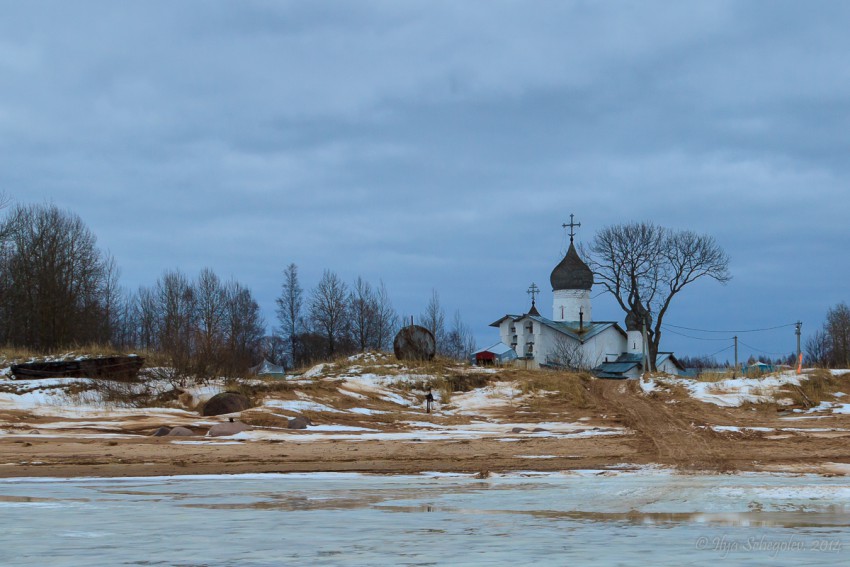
735 371
799 353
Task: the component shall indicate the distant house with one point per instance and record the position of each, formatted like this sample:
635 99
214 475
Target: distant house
497 354
267 369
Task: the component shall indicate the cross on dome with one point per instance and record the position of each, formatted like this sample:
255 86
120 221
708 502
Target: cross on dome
572 226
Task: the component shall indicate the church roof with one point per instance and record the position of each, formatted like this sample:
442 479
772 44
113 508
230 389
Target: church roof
571 272
627 361
569 328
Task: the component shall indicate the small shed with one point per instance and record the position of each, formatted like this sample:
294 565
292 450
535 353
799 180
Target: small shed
497 354
758 369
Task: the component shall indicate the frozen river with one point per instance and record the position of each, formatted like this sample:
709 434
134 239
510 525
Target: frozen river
643 517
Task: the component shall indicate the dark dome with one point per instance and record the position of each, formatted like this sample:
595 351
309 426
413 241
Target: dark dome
571 273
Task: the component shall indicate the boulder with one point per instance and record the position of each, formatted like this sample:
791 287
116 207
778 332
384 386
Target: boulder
229 428
299 423
226 402
180 432
414 343
538 430
162 432
517 430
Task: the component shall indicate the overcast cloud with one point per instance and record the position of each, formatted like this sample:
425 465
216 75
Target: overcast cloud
441 145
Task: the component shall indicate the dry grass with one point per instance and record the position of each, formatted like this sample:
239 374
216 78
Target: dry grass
569 387
258 418
717 376
812 391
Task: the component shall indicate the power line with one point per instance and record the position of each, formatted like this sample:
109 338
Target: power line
719 351
739 331
763 351
691 337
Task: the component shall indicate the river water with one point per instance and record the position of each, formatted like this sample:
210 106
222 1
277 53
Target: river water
640 517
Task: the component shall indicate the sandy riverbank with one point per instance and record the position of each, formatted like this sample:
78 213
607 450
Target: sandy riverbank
372 420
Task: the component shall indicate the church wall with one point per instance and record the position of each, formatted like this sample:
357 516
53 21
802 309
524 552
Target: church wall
608 343
519 335
544 343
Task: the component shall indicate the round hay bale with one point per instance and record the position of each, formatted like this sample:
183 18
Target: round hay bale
226 402
414 343
180 432
229 428
299 423
162 431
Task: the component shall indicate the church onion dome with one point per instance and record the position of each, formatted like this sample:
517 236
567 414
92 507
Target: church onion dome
571 273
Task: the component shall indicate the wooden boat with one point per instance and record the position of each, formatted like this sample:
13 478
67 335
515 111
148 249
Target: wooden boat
111 367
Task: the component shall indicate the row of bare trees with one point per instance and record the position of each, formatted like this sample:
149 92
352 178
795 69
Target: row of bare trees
59 290
205 326
830 346
335 319
56 287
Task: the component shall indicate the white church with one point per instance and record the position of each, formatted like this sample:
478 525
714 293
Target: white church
571 338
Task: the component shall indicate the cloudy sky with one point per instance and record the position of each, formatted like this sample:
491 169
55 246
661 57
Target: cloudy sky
441 145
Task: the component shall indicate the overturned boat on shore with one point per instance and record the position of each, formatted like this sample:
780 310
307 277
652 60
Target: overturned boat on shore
110 367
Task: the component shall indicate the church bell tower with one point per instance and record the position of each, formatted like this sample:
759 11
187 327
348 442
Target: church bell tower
571 282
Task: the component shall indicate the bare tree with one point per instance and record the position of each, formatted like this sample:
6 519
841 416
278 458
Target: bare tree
460 343
818 348
289 306
644 266
211 316
177 319
275 349
386 319
837 328
363 308
434 319
329 310
147 318
569 354
245 329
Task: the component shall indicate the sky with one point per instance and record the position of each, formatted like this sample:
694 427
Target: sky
441 145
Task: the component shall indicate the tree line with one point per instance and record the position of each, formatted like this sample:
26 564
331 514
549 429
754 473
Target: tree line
829 346
336 319
59 290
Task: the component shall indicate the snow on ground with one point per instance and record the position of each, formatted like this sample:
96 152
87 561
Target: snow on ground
497 431
492 396
299 406
372 385
315 371
366 411
731 392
